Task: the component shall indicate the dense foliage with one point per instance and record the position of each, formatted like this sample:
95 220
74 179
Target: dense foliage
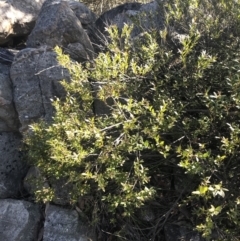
173 102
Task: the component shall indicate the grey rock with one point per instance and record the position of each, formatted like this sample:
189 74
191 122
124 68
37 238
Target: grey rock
12 167
76 51
151 16
36 77
58 25
143 17
83 13
6 56
117 16
110 17
87 19
8 115
63 224
19 220
17 18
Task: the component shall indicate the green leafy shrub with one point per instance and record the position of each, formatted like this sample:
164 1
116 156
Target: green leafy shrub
175 101
101 155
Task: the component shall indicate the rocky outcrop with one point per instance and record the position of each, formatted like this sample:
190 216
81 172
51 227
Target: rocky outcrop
58 25
19 220
36 74
143 17
8 116
7 55
63 224
12 167
84 14
117 16
17 18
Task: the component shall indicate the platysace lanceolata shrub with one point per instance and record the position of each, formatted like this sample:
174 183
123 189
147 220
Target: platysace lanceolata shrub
101 155
174 96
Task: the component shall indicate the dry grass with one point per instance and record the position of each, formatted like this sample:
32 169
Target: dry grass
101 6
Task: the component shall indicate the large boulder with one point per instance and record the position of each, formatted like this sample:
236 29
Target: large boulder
8 116
19 220
17 18
58 25
63 224
87 19
12 167
117 16
36 76
7 56
143 17
83 13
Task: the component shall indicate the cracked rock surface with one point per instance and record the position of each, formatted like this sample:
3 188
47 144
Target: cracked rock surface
63 224
8 115
19 220
17 18
36 74
12 167
57 24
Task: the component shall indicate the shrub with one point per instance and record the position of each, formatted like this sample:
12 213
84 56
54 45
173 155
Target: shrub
174 102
